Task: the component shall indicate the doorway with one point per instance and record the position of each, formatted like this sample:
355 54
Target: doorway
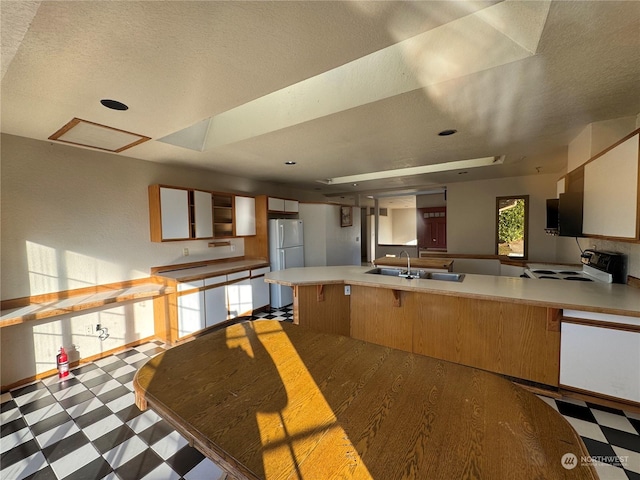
432 228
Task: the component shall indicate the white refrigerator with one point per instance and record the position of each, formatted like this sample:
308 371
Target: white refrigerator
286 250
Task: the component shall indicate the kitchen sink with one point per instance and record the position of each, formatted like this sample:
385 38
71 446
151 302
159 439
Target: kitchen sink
446 276
395 272
391 272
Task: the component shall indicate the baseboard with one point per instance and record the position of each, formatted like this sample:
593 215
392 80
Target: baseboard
92 358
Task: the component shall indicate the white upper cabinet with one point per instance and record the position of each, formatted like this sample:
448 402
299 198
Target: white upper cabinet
245 216
611 192
291 206
282 205
203 214
174 208
179 214
275 204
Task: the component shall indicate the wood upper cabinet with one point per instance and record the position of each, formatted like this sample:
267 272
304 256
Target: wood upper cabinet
245 210
611 191
223 215
179 214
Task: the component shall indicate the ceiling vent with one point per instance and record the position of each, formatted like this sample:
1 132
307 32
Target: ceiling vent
93 135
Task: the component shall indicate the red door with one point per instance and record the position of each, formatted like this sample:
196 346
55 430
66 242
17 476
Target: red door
432 228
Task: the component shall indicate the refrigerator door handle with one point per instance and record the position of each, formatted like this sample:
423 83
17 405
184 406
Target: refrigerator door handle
281 236
282 262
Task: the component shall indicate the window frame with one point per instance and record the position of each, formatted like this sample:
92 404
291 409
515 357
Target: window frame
526 224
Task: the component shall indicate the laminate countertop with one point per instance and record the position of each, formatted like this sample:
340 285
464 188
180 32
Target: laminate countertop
271 400
595 297
211 270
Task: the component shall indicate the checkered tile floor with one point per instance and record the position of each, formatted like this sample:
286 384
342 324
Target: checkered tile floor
88 427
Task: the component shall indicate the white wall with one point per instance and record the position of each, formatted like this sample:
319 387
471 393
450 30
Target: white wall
471 215
326 243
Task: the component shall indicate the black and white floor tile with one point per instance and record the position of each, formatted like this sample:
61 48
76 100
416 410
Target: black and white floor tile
88 428
611 436
284 314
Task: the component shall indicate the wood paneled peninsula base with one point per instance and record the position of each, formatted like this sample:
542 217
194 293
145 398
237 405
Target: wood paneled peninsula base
270 400
505 325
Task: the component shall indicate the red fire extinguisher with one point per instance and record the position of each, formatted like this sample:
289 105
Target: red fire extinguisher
63 363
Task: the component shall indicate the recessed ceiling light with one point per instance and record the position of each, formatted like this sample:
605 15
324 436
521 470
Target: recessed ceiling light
446 133
289 163
355 184
114 104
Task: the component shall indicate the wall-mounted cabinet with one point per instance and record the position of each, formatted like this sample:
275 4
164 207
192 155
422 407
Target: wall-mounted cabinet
282 205
611 191
177 213
245 210
223 215
174 213
609 188
201 218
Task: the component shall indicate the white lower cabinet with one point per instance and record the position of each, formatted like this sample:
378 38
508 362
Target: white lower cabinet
259 288
600 360
208 302
215 300
239 296
191 315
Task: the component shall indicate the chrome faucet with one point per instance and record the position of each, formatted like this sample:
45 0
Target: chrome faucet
408 261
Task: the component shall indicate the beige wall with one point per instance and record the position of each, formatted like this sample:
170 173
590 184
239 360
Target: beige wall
30 348
403 226
596 137
430 200
74 217
385 228
591 141
325 241
471 215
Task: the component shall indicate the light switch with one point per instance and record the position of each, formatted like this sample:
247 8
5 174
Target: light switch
347 289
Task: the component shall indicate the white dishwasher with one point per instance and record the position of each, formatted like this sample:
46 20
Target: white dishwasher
601 359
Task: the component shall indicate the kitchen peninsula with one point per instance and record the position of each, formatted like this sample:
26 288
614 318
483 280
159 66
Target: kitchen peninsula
506 325
270 400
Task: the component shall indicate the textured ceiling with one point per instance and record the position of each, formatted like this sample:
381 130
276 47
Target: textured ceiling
514 78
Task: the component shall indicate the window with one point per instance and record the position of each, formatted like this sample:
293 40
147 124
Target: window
512 226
